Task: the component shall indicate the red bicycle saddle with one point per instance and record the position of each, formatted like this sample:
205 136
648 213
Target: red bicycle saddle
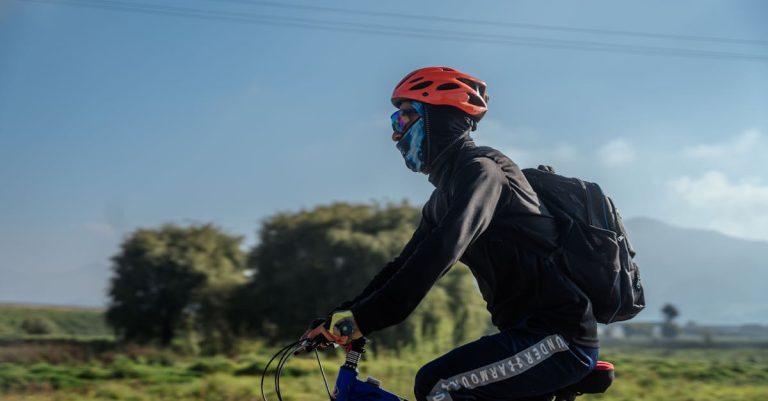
597 381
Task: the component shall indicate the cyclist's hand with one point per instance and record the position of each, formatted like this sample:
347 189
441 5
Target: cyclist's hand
344 329
315 336
319 331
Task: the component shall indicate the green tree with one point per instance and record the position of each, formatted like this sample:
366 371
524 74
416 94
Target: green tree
306 263
175 277
669 328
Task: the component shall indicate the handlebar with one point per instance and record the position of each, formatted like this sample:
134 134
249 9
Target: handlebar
344 328
355 351
308 345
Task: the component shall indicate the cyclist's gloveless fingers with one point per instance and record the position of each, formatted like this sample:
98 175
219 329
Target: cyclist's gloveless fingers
320 331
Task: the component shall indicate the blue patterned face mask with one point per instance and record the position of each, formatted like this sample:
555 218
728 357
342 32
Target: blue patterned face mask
412 143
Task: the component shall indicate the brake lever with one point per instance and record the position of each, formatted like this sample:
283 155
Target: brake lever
308 345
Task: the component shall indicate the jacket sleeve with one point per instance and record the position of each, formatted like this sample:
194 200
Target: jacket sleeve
474 193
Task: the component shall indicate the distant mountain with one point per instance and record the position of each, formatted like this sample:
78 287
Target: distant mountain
712 278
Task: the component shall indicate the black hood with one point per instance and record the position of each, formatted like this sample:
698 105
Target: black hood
446 128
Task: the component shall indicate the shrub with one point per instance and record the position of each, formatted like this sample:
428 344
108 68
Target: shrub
124 368
212 365
38 325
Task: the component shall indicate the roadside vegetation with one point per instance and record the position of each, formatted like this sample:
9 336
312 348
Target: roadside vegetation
47 372
31 321
193 316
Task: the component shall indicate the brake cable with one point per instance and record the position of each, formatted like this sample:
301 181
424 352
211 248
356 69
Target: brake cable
264 373
283 355
322 372
278 373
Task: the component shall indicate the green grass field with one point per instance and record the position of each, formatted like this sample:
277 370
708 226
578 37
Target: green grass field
19 321
138 374
77 359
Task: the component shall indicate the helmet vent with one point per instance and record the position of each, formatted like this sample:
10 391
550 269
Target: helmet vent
448 86
405 78
472 84
421 85
417 79
475 100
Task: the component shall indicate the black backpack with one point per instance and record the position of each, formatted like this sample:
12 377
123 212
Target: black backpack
594 243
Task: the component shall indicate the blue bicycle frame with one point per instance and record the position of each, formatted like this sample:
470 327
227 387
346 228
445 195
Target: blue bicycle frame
350 388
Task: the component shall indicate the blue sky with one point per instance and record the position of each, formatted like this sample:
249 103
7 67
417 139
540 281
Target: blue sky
112 120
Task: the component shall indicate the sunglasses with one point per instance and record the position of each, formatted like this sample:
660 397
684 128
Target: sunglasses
402 119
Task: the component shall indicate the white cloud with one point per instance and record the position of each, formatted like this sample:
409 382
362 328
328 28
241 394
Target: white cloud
732 198
735 208
751 141
524 145
617 152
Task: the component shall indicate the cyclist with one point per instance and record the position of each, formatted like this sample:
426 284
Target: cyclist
484 213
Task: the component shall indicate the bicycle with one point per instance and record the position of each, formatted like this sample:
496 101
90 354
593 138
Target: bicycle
350 388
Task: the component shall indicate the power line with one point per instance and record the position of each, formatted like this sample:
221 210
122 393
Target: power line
387 30
499 23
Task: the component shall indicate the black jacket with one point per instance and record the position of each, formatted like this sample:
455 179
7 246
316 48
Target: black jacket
484 213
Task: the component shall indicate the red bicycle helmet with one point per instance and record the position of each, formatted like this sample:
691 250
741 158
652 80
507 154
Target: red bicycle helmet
443 86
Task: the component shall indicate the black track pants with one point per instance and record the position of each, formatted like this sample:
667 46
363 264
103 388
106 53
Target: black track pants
505 366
